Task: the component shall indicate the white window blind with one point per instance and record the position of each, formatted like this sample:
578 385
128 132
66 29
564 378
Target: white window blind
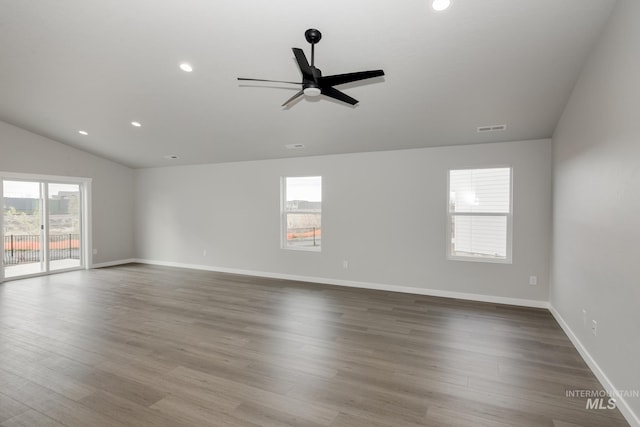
479 214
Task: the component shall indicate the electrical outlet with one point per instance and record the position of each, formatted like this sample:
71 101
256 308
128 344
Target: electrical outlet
95 252
345 264
594 328
533 280
204 252
584 316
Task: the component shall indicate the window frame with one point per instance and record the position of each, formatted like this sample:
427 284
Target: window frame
509 217
284 213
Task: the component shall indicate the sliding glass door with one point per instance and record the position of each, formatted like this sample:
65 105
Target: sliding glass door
23 228
42 227
64 226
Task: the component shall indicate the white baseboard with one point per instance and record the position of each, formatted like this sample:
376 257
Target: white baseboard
631 417
356 284
112 263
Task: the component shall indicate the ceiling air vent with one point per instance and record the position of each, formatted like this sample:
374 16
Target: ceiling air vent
493 128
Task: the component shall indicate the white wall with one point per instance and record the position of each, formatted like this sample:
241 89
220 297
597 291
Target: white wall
384 212
596 261
112 185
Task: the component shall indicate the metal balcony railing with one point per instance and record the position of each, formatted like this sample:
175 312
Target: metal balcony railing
304 236
24 249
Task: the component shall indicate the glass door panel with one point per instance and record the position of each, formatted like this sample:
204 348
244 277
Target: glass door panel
23 237
64 226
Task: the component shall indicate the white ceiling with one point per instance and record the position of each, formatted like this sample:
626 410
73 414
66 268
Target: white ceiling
68 65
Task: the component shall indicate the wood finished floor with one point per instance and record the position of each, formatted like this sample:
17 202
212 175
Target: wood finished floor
139 345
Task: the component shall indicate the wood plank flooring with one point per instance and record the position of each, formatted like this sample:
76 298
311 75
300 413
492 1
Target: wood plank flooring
141 345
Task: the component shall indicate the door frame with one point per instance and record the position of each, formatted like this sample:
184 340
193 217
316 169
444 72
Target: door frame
85 219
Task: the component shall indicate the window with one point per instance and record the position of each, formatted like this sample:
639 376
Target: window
302 212
479 215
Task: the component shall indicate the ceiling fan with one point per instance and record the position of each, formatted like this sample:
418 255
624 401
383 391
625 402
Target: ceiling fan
313 82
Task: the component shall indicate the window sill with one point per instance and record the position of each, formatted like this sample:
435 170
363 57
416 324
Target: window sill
480 259
303 249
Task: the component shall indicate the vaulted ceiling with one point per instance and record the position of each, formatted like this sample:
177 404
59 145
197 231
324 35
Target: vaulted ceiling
96 66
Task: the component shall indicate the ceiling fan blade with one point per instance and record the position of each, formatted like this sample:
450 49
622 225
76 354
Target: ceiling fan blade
305 68
339 79
270 81
336 94
294 97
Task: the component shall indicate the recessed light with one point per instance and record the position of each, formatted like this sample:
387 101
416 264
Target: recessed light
186 67
136 124
440 5
171 156
83 132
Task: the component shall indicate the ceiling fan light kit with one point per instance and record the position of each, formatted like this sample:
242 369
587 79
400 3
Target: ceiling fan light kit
313 82
312 91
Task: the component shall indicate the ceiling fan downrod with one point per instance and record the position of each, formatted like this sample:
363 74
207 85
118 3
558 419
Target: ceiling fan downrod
313 36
